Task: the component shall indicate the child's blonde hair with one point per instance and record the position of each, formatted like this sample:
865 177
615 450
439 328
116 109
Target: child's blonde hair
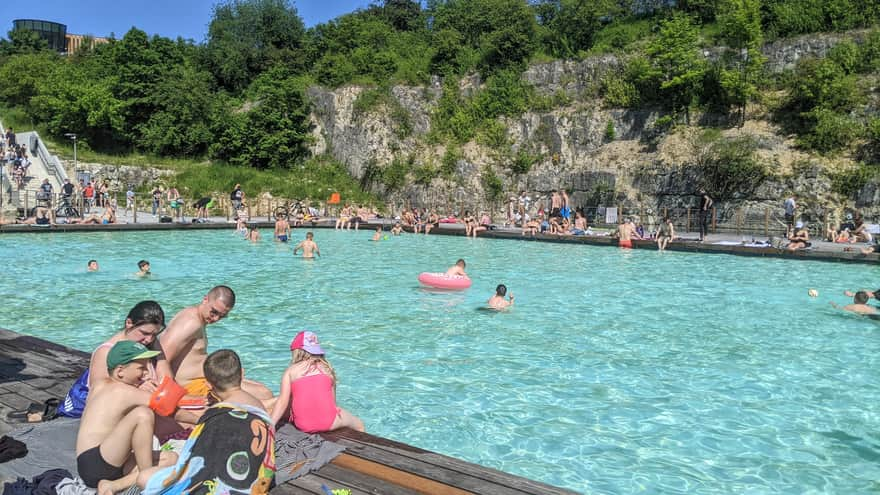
300 355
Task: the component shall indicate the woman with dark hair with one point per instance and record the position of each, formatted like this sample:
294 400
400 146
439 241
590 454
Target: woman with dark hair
144 322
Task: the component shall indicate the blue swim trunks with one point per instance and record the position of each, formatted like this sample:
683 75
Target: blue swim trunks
282 238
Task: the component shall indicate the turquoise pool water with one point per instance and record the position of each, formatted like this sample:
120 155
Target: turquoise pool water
618 372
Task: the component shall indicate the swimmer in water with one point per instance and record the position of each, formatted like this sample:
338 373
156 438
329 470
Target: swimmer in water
92 266
378 235
859 305
282 229
253 234
143 269
497 301
308 246
457 269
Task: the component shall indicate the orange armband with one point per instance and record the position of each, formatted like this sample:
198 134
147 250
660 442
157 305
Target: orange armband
164 400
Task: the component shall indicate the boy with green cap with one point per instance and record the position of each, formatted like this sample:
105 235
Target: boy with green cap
116 431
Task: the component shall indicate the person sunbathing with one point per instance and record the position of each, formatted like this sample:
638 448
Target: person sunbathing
800 239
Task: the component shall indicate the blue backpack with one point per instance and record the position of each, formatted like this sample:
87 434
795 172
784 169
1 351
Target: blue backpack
75 402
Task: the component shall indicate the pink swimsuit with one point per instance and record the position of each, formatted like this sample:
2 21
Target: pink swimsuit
314 403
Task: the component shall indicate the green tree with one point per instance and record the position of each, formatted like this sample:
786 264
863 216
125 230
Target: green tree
272 130
743 62
184 107
677 63
23 41
402 15
247 37
21 74
574 26
502 30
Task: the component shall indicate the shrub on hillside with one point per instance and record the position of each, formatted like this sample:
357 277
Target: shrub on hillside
829 130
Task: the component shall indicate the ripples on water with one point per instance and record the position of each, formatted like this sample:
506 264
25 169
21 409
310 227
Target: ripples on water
618 372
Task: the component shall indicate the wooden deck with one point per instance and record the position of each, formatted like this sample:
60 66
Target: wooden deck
34 370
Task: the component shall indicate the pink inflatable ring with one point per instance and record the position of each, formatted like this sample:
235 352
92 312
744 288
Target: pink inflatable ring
444 281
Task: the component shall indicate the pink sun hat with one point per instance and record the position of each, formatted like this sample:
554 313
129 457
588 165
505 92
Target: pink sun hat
308 342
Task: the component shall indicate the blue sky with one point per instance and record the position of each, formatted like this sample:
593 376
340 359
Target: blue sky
171 18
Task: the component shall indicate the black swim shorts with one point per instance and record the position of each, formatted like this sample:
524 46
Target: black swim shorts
93 468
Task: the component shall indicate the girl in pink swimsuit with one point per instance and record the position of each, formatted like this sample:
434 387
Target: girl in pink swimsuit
308 390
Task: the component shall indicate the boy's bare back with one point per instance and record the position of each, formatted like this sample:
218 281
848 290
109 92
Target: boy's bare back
239 396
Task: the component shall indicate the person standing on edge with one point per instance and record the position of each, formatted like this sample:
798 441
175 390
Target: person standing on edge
157 197
705 210
790 207
237 197
129 199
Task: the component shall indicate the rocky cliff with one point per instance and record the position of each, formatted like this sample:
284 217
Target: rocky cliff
604 156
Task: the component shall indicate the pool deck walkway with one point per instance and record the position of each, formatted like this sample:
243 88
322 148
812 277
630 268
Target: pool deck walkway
720 243
34 370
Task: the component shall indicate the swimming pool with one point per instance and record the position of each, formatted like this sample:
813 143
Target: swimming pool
618 372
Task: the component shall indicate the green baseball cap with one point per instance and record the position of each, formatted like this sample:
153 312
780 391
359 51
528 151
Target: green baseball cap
126 351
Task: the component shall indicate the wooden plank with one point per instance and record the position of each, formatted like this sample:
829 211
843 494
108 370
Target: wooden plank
291 488
311 483
393 474
348 477
379 449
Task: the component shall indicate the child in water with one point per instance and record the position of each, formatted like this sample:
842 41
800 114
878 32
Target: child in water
308 390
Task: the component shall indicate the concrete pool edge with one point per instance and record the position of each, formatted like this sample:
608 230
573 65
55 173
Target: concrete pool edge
679 245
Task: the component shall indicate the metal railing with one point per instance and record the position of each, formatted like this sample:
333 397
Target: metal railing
37 148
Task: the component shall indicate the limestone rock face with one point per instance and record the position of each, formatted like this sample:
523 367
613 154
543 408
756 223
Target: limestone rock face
602 156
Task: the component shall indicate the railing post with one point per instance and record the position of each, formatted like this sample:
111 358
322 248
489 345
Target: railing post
268 202
225 208
767 222
688 220
134 210
713 219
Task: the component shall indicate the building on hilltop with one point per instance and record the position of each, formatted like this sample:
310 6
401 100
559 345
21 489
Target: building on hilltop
56 35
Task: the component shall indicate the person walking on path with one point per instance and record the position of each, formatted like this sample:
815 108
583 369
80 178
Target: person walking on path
706 203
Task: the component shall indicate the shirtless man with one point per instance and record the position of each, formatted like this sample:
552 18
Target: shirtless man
497 301
626 231
308 246
185 344
432 222
457 269
364 214
92 266
377 236
115 437
665 233
859 305
555 204
282 229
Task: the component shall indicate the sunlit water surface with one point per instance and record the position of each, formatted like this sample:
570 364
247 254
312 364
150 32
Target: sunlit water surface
618 372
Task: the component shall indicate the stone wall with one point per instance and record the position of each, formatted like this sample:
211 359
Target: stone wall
121 176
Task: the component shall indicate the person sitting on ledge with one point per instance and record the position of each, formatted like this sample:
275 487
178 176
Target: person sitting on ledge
42 216
800 239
